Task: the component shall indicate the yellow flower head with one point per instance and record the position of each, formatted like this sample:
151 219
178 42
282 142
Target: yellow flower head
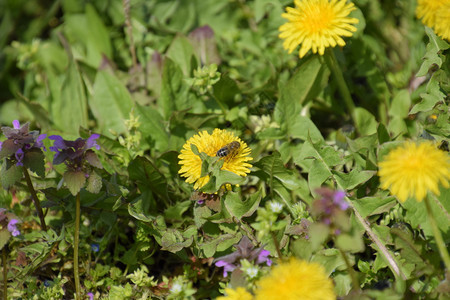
412 170
427 9
317 24
235 162
238 294
442 27
296 279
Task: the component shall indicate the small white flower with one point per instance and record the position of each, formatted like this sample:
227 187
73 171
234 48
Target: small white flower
275 207
176 288
252 272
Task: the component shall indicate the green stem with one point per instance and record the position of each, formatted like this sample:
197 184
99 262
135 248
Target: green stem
75 248
5 273
437 235
37 203
277 245
332 64
351 271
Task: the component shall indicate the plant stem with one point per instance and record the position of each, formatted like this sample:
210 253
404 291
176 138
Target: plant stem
5 273
37 203
437 235
126 10
277 245
351 271
332 64
75 248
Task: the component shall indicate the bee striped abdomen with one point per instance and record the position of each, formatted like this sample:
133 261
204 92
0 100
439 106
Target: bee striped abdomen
229 149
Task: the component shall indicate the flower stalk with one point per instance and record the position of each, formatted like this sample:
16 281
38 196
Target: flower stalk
437 235
36 201
330 60
75 248
5 273
351 271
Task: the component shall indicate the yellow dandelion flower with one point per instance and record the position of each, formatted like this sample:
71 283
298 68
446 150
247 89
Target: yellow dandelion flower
442 27
296 279
316 25
427 9
238 294
191 163
412 170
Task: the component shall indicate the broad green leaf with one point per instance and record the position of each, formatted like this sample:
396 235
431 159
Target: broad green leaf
69 108
4 237
110 103
176 211
365 121
351 180
369 206
238 208
172 240
147 176
181 52
432 96
152 127
302 128
75 181
400 104
34 160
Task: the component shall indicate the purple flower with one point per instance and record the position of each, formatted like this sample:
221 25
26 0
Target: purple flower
227 267
263 257
20 141
73 153
90 295
12 227
19 157
338 198
244 250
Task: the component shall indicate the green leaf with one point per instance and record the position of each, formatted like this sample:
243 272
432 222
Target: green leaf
10 174
5 235
69 103
147 176
180 52
152 127
432 96
400 104
365 121
110 103
139 208
302 128
434 55
238 208
175 212
350 180
34 160
173 241
369 206
273 167
350 243
74 180
94 183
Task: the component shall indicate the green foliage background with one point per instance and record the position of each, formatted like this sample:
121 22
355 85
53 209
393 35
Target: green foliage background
67 67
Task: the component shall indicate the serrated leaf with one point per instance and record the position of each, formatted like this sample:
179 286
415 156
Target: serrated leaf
369 206
94 183
8 148
75 181
273 166
140 208
173 241
10 174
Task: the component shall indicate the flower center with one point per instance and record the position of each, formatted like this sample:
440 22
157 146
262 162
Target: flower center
318 17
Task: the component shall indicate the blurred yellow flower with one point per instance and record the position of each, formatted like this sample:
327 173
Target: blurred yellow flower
191 163
238 294
442 27
426 10
296 280
413 169
316 25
